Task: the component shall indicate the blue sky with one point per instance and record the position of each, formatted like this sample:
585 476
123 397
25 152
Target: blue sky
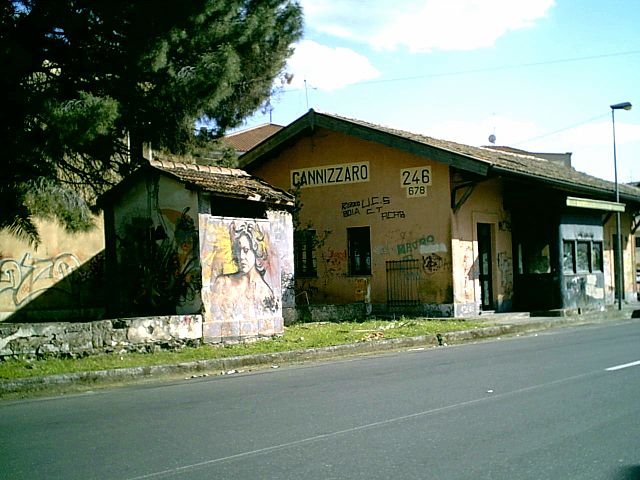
538 74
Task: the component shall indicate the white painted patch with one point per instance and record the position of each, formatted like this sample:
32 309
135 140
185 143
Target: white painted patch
433 248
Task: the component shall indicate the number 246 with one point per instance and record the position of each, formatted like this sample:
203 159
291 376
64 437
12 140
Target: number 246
416 177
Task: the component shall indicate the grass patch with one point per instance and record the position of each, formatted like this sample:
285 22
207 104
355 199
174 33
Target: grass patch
296 337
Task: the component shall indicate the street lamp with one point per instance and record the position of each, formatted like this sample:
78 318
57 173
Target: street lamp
618 273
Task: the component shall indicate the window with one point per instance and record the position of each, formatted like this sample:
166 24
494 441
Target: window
596 257
303 249
534 257
359 242
568 256
583 263
581 256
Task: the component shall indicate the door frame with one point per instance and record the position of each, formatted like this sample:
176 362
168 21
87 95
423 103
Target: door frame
485 245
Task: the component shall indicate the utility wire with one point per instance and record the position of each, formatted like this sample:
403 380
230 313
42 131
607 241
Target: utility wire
488 69
562 129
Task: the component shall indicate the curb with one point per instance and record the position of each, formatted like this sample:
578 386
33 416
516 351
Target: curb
298 356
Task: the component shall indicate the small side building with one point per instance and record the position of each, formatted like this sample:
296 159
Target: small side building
189 239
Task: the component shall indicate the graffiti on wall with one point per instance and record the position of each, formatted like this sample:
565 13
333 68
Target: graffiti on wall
505 265
335 261
432 263
159 267
241 275
374 205
24 279
425 245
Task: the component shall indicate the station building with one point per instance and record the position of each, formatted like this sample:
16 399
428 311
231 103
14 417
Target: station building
391 221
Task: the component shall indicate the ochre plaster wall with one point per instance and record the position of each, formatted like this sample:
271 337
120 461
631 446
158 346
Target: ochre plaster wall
628 259
484 205
60 280
401 228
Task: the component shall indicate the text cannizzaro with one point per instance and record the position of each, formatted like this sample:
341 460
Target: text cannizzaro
330 175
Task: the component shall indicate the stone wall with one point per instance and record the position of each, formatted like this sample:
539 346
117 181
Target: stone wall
141 334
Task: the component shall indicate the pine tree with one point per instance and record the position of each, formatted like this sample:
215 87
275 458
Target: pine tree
86 82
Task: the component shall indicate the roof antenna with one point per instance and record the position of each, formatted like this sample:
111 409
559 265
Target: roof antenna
492 137
306 94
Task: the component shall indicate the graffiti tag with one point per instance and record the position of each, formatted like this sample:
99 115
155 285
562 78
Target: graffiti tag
30 276
368 206
408 247
432 263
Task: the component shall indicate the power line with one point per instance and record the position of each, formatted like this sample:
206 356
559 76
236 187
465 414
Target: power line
489 69
562 129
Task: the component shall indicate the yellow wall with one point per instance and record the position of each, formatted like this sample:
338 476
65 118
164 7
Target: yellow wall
628 258
55 280
484 205
401 227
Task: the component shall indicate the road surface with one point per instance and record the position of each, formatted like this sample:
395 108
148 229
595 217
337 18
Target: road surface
564 404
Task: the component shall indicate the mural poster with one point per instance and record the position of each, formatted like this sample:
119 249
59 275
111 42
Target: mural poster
241 287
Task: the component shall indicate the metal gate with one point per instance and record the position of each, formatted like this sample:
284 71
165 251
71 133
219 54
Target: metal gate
402 283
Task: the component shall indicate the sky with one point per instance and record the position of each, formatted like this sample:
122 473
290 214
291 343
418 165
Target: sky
540 75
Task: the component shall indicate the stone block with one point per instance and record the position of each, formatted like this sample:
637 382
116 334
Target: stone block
185 327
148 330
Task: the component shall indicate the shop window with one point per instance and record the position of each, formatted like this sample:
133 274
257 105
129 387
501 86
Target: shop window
596 257
583 263
304 253
359 242
568 256
534 257
581 256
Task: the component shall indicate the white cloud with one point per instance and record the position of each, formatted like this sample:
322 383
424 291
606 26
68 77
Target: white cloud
327 68
422 26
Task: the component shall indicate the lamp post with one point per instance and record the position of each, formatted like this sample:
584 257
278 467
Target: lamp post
619 278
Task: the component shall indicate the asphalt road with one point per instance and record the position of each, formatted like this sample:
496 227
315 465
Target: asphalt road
535 407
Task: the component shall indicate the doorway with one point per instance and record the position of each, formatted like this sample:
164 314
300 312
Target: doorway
485 263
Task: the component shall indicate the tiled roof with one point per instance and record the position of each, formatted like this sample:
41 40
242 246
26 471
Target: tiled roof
510 162
245 140
230 182
483 160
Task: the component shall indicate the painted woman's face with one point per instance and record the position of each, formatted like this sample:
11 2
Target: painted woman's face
247 259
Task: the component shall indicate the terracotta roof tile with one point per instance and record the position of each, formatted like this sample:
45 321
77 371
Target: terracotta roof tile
505 161
245 140
224 181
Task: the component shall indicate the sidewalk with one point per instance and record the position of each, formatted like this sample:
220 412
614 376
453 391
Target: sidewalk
498 325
